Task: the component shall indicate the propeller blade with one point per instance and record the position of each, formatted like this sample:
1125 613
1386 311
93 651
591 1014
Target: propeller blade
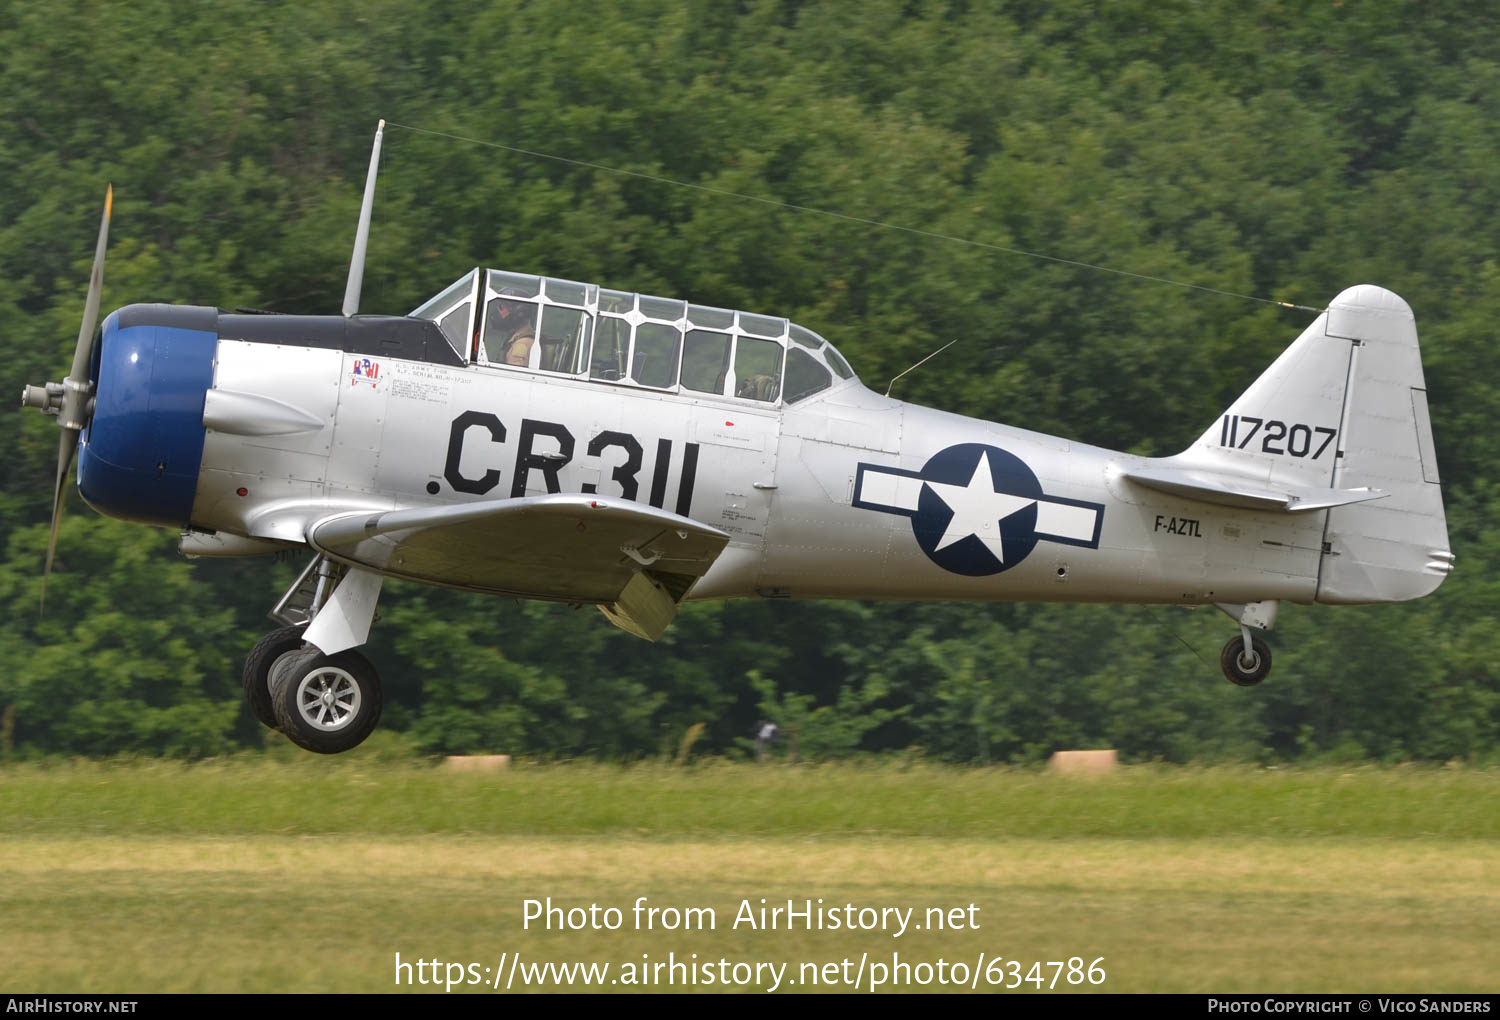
96 287
66 444
73 404
75 386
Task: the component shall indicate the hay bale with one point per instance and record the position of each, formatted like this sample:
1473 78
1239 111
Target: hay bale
1089 763
477 762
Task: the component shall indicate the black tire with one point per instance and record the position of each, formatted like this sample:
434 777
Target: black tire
335 723
256 676
1240 673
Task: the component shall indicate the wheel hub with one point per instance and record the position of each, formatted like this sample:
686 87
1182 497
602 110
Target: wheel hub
328 698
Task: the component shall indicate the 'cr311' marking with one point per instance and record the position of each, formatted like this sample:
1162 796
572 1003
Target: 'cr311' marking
1295 440
529 460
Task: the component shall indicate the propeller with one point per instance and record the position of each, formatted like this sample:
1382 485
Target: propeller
71 400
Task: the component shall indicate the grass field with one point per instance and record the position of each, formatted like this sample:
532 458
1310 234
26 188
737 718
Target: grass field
312 874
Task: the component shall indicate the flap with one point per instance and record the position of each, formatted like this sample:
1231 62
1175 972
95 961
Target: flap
566 547
1230 490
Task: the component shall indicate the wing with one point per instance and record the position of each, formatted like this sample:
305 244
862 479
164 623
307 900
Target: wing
635 562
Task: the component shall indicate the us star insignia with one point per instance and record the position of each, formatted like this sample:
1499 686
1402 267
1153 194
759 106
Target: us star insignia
977 509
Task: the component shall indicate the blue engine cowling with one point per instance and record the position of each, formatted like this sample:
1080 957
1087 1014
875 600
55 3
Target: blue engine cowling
138 458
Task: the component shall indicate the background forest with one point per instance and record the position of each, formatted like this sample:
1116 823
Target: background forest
1274 149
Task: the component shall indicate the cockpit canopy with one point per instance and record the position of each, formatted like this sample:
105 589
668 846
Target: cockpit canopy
613 337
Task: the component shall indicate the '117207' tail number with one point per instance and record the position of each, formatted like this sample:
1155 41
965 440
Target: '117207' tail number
1237 431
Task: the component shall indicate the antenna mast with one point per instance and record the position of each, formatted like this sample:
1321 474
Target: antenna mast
362 234
919 364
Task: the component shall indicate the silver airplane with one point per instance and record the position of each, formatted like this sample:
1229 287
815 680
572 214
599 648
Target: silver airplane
547 439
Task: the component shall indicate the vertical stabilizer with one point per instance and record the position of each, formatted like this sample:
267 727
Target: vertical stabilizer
1282 430
1338 427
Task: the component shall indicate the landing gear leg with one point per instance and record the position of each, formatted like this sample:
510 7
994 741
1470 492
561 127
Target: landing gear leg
1246 660
308 680
294 611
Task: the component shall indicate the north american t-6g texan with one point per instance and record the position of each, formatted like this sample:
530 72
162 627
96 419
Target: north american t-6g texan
547 439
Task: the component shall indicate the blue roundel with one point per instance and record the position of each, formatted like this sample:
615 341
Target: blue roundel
948 525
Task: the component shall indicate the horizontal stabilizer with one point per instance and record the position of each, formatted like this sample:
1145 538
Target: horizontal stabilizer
1229 490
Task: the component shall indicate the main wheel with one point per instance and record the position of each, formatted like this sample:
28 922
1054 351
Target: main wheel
270 650
1241 671
326 703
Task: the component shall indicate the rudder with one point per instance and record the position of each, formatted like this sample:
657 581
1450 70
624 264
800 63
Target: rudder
1395 548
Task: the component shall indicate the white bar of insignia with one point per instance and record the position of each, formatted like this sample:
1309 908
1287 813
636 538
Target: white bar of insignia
1061 520
891 492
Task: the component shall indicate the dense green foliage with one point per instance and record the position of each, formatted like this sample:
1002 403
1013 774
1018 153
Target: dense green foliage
1272 149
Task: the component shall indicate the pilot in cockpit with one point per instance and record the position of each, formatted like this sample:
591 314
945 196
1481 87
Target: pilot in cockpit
511 330
757 387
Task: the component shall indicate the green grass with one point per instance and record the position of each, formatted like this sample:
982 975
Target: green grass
311 795
311 874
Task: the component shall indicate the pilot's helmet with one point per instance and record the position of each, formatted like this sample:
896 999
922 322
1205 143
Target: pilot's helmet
509 309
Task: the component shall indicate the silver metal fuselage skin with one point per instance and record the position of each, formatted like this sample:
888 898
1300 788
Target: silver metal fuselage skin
822 498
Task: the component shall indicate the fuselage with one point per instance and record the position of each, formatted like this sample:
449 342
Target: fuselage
245 428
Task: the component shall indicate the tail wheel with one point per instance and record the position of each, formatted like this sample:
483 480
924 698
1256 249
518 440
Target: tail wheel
268 652
326 703
1243 671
